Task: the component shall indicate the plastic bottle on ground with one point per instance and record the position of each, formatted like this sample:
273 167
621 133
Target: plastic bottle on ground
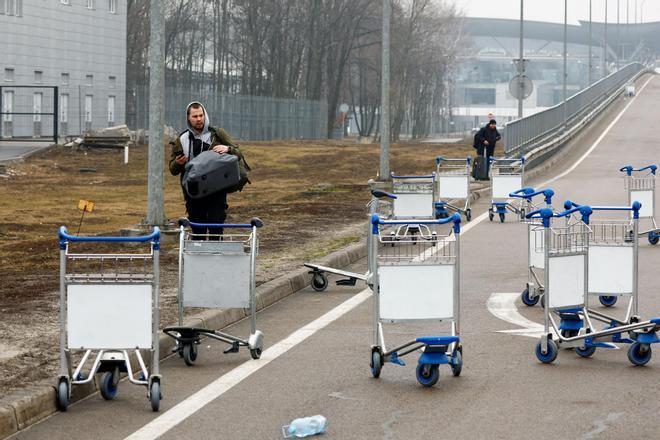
305 426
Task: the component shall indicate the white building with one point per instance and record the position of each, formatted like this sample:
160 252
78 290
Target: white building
78 46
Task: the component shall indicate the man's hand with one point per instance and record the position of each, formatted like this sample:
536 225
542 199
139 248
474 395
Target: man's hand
181 159
486 143
221 149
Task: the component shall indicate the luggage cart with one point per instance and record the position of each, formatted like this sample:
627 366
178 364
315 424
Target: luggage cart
381 204
109 306
506 176
416 281
535 245
453 180
414 200
642 188
217 271
566 293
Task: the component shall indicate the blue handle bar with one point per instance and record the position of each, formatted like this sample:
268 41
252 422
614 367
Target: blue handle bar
65 237
255 222
629 169
529 193
546 214
456 218
379 194
636 206
441 158
412 177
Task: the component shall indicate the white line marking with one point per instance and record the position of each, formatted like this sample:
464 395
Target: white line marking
503 306
206 395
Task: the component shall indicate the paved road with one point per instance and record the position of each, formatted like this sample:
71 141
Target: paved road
17 149
503 392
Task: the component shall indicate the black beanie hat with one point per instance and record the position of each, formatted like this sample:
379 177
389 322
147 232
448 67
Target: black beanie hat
492 121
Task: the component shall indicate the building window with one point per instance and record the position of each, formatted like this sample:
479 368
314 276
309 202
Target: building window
88 109
90 4
65 79
38 76
7 105
111 110
9 74
19 8
112 6
64 108
2 7
65 2
89 80
36 108
113 81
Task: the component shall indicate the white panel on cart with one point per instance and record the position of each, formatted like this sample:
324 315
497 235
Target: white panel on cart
416 292
505 185
537 246
610 269
455 187
212 280
109 316
566 281
646 199
413 205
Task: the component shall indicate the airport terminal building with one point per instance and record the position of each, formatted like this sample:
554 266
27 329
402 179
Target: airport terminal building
78 46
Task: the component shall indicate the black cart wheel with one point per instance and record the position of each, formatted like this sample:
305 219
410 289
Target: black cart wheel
190 354
319 282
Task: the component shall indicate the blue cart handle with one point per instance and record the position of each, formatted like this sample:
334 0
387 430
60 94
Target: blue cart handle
430 176
456 218
154 237
255 222
439 159
546 214
636 206
529 193
628 169
380 194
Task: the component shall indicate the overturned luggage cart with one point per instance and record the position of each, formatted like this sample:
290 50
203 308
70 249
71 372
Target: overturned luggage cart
567 285
506 176
641 187
109 306
217 271
535 245
414 200
381 204
417 281
453 180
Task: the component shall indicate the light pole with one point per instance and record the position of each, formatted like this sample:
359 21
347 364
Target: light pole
565 55
590 58
618 36
521 67
604 73
385 94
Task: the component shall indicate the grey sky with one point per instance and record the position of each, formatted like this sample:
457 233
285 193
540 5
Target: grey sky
553 10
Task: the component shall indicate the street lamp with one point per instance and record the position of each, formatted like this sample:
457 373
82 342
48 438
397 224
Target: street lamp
565 55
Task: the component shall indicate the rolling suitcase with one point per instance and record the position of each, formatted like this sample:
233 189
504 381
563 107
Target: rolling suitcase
210 172
480 167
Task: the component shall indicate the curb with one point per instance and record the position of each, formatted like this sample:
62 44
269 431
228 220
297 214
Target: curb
34 403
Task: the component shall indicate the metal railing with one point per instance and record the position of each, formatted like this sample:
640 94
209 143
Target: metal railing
523 135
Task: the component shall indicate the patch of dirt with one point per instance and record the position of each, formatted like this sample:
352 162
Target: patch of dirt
311 196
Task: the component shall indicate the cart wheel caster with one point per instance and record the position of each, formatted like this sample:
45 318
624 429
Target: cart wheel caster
63 395
468 214
428 374
607 301
319 282
154 395
529 301
585 351
376 362
255 353
653 238
190 354
491 214
456 363
639 354
108 386
501 217
549 356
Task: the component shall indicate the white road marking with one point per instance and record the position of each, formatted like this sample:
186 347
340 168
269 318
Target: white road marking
503 306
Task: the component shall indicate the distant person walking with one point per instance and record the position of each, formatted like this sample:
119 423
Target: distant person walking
486 139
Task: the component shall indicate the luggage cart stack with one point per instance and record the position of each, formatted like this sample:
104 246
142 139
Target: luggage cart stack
453 180
109 307
568 283
217 271
506 176
381 204
640 185
535 245
417 281
414 200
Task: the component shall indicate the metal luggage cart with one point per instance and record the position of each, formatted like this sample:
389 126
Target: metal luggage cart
567 285
217 271
381 204
414 200
109 306
535 244
417 281
642 188
453 180
506 176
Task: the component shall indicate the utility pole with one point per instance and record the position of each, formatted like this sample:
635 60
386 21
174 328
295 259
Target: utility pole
385 94
590 57
521 67
565 55
618 36
155 199
605 45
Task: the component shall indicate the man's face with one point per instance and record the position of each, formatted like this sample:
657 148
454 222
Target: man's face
196 118
493 126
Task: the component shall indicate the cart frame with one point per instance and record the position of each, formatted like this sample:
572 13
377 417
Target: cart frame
411 193
453 183
642 189
506 176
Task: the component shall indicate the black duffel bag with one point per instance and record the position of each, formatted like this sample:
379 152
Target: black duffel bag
210 172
